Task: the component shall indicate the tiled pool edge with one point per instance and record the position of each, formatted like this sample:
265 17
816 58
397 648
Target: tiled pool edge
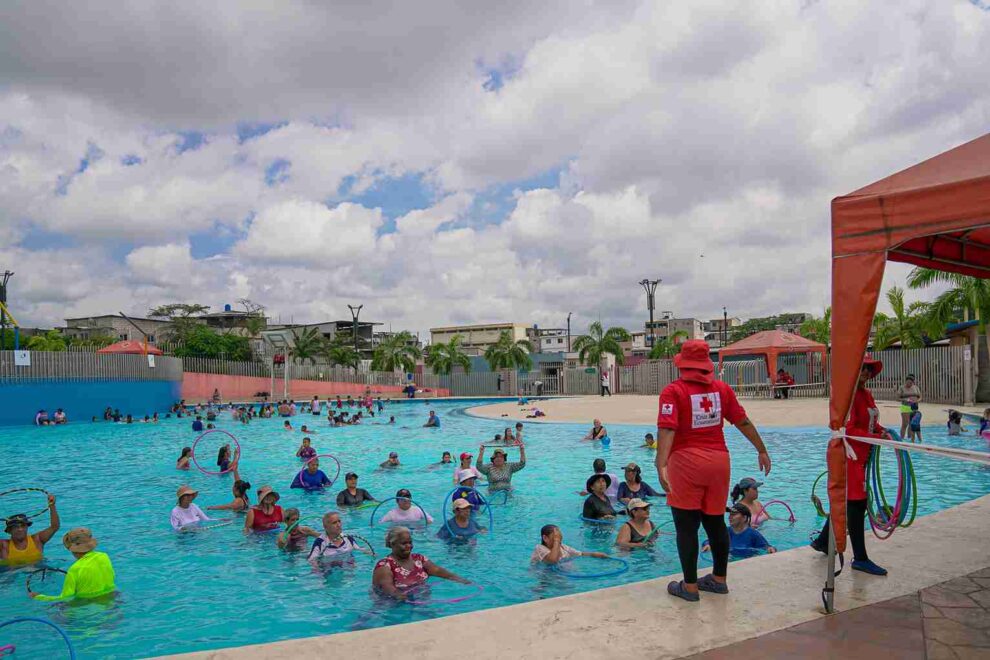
640 618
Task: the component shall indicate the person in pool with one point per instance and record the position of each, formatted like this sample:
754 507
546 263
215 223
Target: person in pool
403 570
241 501
184 459
404 511
90 576
598 466
391 419
287 426
467 479
551 548
305 450
634 486
392 462
352 495
311 477
747 492
267 514
446 459
649 441
519 432
185 515
507 436
597 506
463 525
333 544
500 471
224 458
197 425
304 429
433 422
638 531
914 431
744 541
465 465
295 536
597 432
23 548
955 425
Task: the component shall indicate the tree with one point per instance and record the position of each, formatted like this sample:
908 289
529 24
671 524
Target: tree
181 317
819 330
50 341
443 357
201 341
967 299
905 326
507 353
396 352
338 351
752 326
94 341
668 346
306 345
594 346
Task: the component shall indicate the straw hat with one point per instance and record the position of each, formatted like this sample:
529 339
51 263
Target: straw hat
265 491
79 539
185 490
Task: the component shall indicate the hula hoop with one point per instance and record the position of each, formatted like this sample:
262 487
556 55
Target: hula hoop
505 499
237 452
217 522
65 637
885 520
29 490
815 500
361 538
7 649
371 523
445 601
44 572
621 567
600 521
447 500
791 519
307 461
358 507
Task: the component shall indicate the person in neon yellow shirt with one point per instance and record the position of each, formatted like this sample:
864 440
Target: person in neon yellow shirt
91 576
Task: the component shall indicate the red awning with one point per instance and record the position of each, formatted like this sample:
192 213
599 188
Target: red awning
771 343
131 347
935 214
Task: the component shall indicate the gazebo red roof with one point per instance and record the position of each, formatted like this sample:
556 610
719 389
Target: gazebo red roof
131 347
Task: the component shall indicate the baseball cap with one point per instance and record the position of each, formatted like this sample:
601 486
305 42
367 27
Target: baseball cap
632 466
461 503
393 454
350 475
466 455
749 482
636 503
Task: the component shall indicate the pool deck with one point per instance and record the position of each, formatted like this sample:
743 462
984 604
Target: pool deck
770 594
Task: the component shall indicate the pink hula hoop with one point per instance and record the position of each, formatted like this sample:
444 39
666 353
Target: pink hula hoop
446 601
783 504
307 461
234 458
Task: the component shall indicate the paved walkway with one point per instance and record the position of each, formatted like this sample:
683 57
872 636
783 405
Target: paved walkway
947 621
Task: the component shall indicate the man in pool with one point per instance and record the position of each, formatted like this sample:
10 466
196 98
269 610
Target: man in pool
197 425
433 422
462 525
404 512
392 462
23 548
333 544
91 576
311 477
744 540
352 495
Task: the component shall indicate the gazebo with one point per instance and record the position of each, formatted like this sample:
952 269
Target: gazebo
935 214
771 344
131 347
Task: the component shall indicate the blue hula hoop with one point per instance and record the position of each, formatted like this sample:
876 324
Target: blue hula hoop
65 637
505 499
600 521
426 520
446 503
622 567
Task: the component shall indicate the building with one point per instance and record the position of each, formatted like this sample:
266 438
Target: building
667 325
636 346
331 329
112 325
476 338
246 324
792 322
718 331
548 340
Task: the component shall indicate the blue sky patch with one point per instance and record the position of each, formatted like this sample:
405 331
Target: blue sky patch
37 238
131 159
92 155
495 203
217 240
189 141
277 172
395 196
249 130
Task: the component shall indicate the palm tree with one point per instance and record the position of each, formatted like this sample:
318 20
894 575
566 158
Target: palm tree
442 358
968 299
396 352
819 330
905 326
507 353
668 346
594 346
50 341
342 353
306 345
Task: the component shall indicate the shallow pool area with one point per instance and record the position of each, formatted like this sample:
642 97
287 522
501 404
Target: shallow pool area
219 588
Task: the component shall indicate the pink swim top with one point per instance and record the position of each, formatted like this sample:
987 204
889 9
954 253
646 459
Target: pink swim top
404 578
265 521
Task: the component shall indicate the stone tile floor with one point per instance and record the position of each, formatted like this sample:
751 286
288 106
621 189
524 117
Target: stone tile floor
948 621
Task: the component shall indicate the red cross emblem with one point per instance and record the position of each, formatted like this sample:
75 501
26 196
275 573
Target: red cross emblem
706 404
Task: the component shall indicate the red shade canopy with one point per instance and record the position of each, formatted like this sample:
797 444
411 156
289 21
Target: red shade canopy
935 214
772 343
131 347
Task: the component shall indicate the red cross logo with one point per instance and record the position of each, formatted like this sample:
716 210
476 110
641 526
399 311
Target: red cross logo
707 405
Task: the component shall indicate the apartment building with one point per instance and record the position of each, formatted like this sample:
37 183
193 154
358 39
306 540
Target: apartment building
476 338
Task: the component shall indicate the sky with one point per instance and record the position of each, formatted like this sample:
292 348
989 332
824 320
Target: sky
446 162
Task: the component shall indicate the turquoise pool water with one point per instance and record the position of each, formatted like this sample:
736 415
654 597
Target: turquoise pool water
219 588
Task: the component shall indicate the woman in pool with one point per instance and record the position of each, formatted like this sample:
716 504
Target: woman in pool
404 511
333 544
445 459
297 536
90 576
403 569
748 491
649 441
23 548
500 471
241 501
637 532
551 548
224 458
311 477
184 459
465 465
287 426
507 436
597 506
744 541
352 495
185 514
267 515
597 432
634 487
305 450
463 525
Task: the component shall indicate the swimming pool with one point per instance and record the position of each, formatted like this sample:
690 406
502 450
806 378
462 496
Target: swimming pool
217 588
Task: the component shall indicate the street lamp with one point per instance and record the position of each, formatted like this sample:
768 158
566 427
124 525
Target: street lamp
725 327
3 306
569 331
355 312
650 286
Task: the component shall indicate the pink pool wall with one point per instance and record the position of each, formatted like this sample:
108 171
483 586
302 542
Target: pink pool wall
199 387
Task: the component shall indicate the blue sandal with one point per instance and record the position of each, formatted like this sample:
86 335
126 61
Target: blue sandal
677 589
867 566
708 583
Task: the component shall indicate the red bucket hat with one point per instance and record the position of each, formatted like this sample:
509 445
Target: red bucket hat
875 366
694 355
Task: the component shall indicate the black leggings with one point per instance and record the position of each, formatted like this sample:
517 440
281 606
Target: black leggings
856 523
687 522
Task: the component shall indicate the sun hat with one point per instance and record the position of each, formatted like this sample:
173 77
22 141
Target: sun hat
79 539
465 474
694 355
499 450
466 455
748 482
265 491
461 503
875 366
636 503
17 519
631 466
185 490
595 477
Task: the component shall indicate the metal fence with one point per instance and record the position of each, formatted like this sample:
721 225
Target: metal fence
79 366
810 373
939 370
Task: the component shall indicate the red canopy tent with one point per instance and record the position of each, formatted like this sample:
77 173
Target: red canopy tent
772 343
935 214
131 347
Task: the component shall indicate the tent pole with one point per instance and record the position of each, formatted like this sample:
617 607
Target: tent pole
830 576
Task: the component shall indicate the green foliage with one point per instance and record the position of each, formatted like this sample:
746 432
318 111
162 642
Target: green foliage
183 324
907 325
442 358
752 326
592 347
340 351
201 341
968 298
397 352
50 341
818 329
509 354
667 347
306 345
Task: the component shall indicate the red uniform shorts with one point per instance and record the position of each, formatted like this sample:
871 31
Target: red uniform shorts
699 480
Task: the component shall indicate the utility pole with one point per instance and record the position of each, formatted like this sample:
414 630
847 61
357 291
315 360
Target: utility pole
650 286
569 331
355 313
725 327
3 306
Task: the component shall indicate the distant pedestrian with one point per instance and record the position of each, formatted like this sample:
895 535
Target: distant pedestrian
605 384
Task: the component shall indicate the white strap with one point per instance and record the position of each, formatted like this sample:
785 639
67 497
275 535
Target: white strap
841 433
969 455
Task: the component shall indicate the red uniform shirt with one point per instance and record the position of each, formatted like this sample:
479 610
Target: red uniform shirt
695 412
864 421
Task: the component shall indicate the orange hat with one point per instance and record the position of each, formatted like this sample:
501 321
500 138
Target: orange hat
694 355
875 366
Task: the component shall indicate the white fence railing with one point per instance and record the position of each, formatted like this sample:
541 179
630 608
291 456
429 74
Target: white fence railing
939 372
75 366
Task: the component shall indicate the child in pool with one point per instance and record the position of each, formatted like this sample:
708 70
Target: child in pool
914 430
955 422
744 541
305 450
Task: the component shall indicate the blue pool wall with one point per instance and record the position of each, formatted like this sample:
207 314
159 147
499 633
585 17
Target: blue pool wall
82 400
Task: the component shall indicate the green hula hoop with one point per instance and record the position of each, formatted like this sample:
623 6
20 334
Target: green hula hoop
815 500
